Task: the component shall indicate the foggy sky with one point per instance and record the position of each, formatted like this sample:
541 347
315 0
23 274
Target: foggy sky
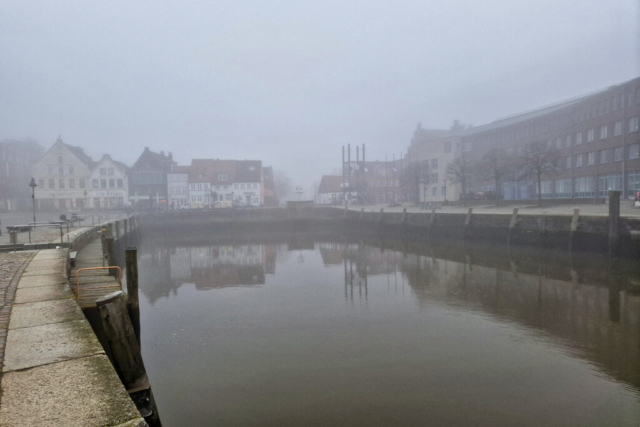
290 82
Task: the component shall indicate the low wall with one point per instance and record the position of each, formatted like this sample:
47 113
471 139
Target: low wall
577 233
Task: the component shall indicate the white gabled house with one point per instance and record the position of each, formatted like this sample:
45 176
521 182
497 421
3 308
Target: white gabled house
108 184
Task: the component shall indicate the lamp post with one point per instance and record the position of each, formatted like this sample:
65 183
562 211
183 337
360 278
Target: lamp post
33 186
84 193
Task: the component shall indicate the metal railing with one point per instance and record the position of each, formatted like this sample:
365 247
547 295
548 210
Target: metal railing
33 225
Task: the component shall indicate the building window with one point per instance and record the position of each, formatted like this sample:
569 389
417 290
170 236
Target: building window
605 156
110 171
609 182
577 160
617 128
60 170
72 183
591 158
200 176
112 183
546 188
567 141
617 154
103 183
604 129
633 184
434 191
242 186
199 186
235 186
103 171
567 162
590 135
583 187
52 184
563 188
120 183
71 170
578 138
447 147
81 182
94 183
222 176
50 170
634 151
434 178
61 183
434 163
633 124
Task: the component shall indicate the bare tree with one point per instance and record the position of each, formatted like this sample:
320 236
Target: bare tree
461 170
539 159
495 164
412 176
282 185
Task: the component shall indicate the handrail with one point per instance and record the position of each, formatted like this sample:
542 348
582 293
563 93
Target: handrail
44 225
96 287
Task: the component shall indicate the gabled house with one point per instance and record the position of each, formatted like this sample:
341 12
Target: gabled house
108 185
148 179
331 191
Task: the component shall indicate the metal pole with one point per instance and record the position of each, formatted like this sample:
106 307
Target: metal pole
349 171
344 196
364 174
33 199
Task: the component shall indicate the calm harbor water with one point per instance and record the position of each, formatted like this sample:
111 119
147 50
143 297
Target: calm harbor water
334 333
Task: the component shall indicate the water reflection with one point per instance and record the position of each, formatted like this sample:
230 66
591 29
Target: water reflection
400 298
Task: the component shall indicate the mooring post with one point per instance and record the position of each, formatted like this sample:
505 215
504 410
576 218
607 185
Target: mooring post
110 229
467 223
381 220
133 305
125 225
13 236
512 224
614 220
127 358
574 227
117 229
111 255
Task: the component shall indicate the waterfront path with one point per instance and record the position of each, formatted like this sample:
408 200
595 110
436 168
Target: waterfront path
54 372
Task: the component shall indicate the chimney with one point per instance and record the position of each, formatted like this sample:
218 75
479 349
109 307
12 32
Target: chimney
170 156
146 148
162 153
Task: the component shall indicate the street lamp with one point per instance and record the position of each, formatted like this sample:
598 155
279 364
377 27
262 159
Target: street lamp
85 200
33 186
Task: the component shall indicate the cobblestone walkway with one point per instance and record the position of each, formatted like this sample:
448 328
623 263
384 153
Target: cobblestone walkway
11 267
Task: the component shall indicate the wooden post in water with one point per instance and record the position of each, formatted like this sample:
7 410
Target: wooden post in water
111 255
117 229
467 223
125 225
133 305
110 229
404 220
381 221
127 358
512 224
574 227
614 221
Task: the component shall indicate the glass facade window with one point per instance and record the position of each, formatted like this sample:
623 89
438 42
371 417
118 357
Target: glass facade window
583 187
591 158
546 188
633 124
577 160
633 183
617 154
617 128
563 188
590 135
604 129
578 138
606 183
634 151
605 156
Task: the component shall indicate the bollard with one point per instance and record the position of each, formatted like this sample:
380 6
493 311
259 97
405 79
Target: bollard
614 220
13 236
127 358
131 268
117 229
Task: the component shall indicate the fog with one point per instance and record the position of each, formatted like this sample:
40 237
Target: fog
289 83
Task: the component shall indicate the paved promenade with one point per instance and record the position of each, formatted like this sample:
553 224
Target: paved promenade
54 372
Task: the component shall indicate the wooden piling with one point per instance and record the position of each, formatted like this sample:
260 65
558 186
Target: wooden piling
127 357
125 225
111 255
574 227
110 229
117 229
614 220
467 223
381 220
133 305
512 224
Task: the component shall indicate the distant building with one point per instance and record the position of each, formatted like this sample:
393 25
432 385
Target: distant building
248 184
178 187
331 191
108 184
62 175
270 198
148 179
17 159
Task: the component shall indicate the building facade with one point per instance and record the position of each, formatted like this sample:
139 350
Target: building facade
108 185
62 175
331 191
248 186
148 179
17 159
178 187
